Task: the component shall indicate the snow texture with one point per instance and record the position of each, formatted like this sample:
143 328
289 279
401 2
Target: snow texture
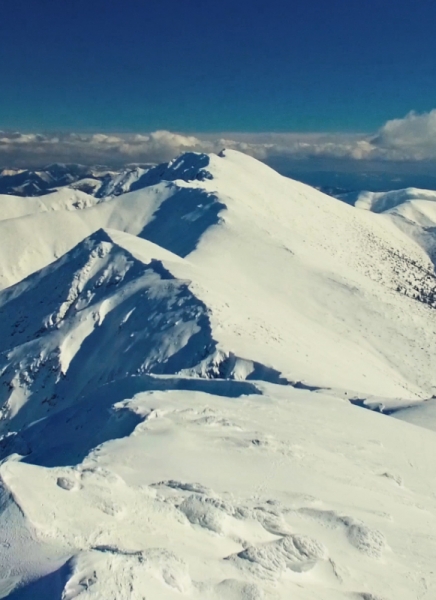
216 382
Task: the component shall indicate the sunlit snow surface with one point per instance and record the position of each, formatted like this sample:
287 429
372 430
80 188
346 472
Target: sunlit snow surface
185 377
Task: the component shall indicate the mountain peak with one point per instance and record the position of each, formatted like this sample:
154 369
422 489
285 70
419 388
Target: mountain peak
190 166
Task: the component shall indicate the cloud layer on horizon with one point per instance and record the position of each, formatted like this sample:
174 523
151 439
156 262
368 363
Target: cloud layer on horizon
410 139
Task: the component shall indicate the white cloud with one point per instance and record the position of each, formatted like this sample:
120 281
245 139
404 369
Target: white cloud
19 149
161 145
412 138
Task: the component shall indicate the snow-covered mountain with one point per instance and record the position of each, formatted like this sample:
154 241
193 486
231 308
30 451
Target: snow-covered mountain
184 369
26 182
96 181
383 201
408 208
417 206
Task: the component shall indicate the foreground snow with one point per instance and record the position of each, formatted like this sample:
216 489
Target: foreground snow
219 492
184 373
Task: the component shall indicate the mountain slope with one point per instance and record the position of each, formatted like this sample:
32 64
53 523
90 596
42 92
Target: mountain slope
58 327
411 204
58 233
12 207
412 210
29 183
185 376
283 494
294 280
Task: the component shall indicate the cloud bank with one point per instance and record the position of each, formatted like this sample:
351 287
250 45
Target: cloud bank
410 139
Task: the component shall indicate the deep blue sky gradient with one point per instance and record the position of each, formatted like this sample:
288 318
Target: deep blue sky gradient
215 65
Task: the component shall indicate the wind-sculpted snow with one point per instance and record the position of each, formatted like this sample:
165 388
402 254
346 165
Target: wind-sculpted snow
193 506
101 415
185 373
295 552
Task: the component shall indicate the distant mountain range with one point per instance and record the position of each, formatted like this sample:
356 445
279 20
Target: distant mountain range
101 181
98 181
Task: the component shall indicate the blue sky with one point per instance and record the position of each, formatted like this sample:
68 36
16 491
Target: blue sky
215 65
328 85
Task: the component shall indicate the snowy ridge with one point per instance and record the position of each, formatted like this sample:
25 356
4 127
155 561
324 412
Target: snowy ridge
12 207
412 204
383 201
96 181
185 376
412 210
29 183
94 290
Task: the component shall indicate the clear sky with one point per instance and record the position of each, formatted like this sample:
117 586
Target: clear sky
215 65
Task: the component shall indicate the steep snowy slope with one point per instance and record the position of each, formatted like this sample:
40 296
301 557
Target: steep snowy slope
412 210
421 212
255 190
120 183
293 280
58 232
58 327
176 365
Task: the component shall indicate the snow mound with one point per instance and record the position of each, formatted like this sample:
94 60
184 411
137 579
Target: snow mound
233 521
366 540
111 572
295 552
